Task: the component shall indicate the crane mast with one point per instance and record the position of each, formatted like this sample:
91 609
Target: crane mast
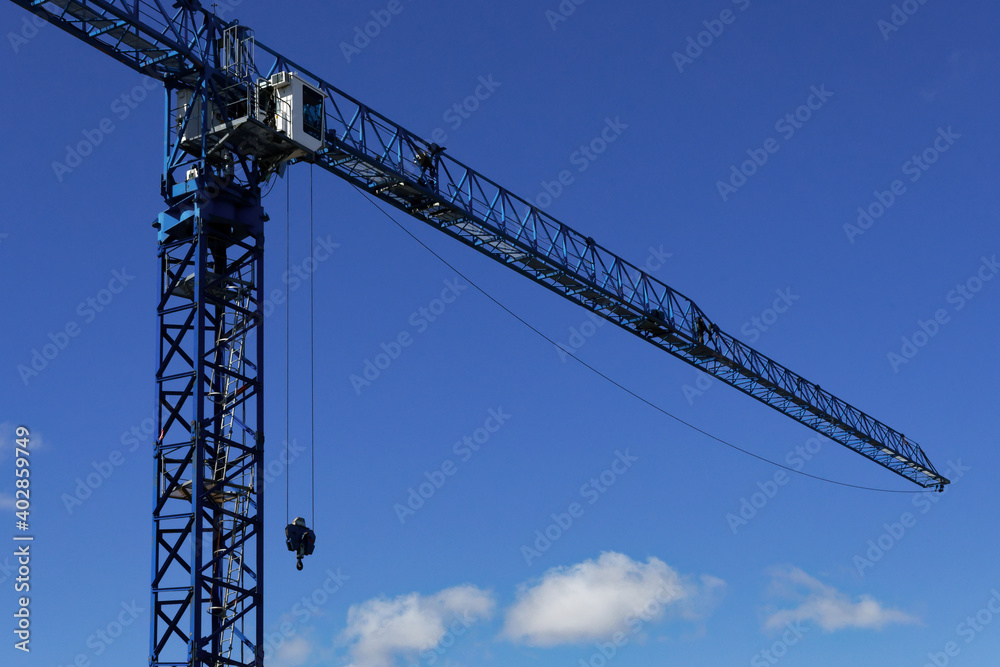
237 114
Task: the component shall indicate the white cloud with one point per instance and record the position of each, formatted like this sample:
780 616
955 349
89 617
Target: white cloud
593 600
826 606
6 502
699 607
292 653
381 629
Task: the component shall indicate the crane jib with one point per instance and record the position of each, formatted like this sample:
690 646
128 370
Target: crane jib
169 40
388 161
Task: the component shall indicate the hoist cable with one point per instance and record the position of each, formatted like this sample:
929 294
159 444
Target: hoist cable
288 346
312 359
610 379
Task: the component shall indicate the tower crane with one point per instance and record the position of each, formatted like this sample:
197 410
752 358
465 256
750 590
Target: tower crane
238 113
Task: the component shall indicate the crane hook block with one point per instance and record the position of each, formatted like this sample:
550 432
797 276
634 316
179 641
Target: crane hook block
300 539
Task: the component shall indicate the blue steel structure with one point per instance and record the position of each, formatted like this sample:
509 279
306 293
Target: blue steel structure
207 578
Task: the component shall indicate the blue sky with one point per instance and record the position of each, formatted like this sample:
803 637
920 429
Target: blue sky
846 117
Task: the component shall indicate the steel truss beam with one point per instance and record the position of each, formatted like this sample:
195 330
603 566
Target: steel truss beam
158 38
208 508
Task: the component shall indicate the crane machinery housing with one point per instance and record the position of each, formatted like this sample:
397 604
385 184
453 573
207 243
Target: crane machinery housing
238 113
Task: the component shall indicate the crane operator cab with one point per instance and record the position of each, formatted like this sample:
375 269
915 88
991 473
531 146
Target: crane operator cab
300 539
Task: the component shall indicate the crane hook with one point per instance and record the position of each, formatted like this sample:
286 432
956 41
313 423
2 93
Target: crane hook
300 539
